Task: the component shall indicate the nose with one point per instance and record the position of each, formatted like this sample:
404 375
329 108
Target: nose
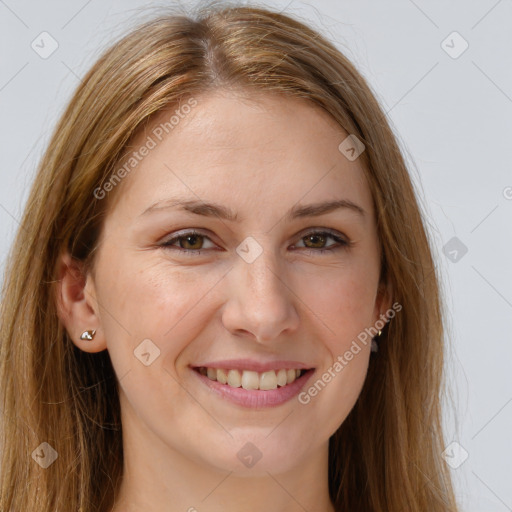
260 303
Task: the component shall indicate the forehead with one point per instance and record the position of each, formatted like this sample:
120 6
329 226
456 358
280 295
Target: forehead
242 148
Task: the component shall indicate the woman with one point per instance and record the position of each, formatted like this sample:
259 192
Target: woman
222 294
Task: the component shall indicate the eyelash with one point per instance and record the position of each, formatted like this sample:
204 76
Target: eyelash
343 244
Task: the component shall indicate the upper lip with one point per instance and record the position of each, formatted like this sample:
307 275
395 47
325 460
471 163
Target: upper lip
253 365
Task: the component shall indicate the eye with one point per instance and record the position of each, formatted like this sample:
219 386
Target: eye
316 241
190 242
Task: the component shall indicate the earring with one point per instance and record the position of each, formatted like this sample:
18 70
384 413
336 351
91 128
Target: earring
88 335
375 346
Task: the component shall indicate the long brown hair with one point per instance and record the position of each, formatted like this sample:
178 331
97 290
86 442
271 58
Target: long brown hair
386 456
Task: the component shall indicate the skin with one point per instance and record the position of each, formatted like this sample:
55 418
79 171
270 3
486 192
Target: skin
260 155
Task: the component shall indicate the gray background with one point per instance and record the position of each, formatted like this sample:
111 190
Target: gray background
452 117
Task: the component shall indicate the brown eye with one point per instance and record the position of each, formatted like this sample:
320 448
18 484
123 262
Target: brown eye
191 241
317 241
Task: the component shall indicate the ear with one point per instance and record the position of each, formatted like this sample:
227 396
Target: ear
383 301
76 302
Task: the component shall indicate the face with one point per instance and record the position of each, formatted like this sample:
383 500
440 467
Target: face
278 284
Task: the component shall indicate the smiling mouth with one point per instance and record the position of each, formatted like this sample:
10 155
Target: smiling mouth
251 380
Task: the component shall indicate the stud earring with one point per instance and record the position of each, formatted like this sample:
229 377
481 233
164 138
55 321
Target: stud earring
88 335
375 346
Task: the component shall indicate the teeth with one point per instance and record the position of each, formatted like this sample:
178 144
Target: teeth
268 380
222 377
281 378
234 378
252 380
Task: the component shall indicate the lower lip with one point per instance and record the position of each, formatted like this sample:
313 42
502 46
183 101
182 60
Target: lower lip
255 398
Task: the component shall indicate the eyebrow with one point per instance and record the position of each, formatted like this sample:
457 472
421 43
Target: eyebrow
209 209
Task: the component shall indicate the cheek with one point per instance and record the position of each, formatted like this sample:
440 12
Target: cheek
151 313
142 300
344 300
344 303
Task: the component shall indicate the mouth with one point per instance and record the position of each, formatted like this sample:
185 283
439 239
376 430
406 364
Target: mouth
253 389
248 379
